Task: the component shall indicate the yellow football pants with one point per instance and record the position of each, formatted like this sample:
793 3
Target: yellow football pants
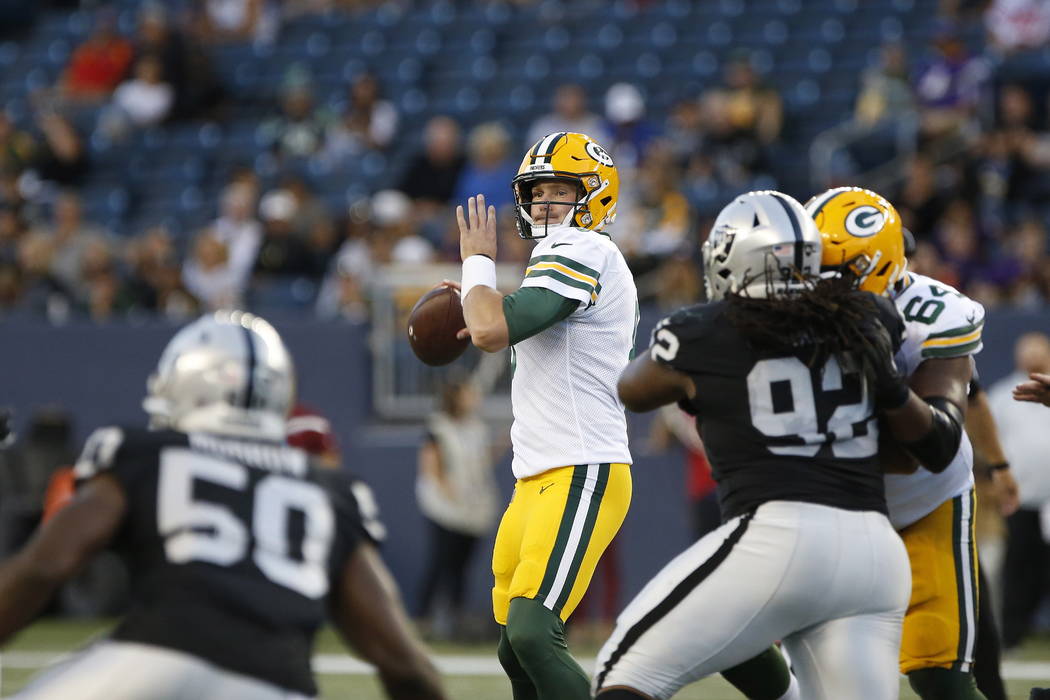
553 532
940 627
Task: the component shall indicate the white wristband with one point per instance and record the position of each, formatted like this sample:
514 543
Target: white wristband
478 270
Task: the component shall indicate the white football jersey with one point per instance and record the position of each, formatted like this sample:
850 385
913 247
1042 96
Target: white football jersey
939 322
566 410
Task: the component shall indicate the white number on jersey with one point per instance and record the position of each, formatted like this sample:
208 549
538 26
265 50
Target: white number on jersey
197 530
801 420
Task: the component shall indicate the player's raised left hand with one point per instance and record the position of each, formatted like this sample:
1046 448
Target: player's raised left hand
477 229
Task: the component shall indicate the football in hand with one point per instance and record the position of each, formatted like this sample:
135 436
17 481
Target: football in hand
433 324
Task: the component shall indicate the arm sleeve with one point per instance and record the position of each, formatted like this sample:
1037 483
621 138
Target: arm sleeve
574 272
531 310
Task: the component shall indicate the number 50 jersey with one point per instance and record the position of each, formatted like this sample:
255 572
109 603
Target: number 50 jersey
232 546
773 427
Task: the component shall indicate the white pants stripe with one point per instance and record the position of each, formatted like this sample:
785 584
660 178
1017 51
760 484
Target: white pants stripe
126 671
832 584
573 544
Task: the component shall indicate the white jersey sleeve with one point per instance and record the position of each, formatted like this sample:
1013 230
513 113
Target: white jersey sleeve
940 322
569 263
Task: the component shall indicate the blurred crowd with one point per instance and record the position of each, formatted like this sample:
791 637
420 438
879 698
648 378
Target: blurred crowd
972 183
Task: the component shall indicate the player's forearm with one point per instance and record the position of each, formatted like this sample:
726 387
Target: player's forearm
422 683
483 313
25 589
980 426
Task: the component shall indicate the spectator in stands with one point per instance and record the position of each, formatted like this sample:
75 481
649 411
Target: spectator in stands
743 117
16 147
1022 149
959 241
311 214
61 156
1026 442
10 284
218 21
209 275
885 90
627 131
144 100
184 65
100 289
282 252
238 230
570 113
1026 247
41 294
298 132
71 235
684 130
368 123
431 177
394 238
948 89
920 200
457 495
490 166
144 255
343 293
660 221
1017 25
12 229
98 65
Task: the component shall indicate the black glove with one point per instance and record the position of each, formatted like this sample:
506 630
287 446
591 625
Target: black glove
890 386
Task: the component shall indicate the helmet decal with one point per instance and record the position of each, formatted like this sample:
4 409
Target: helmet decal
598 153
865 221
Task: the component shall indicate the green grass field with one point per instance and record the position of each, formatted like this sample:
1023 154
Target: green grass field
1023 669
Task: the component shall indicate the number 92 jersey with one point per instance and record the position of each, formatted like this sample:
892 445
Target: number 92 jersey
940 323
773 427
232 546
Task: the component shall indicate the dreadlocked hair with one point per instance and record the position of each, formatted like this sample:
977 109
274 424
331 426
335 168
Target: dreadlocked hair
821 318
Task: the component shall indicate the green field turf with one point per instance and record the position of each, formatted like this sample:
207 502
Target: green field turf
62 636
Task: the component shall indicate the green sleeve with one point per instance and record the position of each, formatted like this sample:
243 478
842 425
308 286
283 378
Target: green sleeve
531 310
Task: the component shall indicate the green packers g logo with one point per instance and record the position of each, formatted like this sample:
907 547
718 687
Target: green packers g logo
864 221
598 153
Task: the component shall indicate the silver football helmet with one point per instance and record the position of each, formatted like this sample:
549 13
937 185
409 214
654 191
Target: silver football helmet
762 244
228 372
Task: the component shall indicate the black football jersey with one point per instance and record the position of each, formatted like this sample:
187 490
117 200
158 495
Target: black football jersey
773 427
233 546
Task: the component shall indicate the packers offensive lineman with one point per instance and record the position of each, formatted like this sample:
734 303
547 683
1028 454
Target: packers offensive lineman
237 544
787 374
571 327
934 513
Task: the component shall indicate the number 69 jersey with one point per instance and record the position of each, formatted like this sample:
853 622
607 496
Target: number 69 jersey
773 427
232 546
940 323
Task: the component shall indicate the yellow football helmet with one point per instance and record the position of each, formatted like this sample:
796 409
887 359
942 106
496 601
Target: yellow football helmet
862 233
579 159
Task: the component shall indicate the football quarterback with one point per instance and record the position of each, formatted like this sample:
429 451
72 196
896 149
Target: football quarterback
571 326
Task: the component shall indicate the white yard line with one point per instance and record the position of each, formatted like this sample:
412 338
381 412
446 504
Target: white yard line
458 665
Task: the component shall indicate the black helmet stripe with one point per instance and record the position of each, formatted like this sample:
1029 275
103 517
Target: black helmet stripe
542 153
796 227
249 388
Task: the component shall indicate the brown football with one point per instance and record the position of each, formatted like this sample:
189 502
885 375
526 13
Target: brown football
433 324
